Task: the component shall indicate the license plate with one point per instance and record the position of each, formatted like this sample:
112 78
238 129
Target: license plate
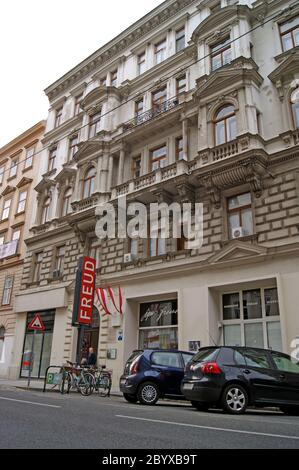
188 386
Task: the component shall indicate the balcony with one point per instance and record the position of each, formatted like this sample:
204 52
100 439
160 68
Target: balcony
86 203
151 114
229 149
150 179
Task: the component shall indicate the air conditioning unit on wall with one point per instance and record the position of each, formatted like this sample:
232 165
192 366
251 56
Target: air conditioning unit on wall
238 232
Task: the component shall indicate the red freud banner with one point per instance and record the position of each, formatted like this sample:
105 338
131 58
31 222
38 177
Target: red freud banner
108 300
84 291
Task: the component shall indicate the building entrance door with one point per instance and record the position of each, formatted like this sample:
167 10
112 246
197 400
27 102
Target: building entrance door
89 336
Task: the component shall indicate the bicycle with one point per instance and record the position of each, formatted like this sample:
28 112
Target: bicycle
102 381
76 377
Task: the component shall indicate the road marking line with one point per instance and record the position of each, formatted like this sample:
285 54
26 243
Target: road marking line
30 402
256 433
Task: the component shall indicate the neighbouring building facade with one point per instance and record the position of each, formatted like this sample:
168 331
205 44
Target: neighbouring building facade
18 171
198 101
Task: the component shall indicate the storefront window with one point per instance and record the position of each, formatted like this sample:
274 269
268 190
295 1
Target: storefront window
158 325
250 319
42 345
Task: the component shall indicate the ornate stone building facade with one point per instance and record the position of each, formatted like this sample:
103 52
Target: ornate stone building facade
19 161
196 102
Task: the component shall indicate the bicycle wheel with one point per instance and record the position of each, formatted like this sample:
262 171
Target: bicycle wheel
66 384
104 385
86 384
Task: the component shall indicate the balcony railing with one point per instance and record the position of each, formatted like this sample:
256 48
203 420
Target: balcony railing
150 114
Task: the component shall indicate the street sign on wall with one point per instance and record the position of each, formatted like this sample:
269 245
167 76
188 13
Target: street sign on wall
36 324
84 291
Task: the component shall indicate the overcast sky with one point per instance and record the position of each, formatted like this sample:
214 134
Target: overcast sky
40 40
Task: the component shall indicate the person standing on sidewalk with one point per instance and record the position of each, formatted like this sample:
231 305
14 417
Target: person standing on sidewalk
92 358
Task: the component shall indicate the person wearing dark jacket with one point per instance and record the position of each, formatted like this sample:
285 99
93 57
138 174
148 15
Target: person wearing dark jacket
92 358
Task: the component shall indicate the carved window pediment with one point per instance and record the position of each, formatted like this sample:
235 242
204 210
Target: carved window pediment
95 98
286 71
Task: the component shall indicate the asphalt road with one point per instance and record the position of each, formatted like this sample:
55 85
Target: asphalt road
35 420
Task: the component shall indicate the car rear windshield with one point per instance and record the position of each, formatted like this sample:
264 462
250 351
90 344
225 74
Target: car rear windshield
206 355
133 356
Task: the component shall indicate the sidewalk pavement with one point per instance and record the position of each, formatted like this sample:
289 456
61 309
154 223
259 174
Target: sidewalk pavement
37 385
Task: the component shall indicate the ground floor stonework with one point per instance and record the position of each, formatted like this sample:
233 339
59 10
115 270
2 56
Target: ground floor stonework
252 304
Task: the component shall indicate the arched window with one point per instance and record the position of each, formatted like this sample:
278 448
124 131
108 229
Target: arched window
46 210
295 107
66 202
225 125
2 338
88 182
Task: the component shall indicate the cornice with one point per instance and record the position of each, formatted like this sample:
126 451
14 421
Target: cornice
124 41
65 128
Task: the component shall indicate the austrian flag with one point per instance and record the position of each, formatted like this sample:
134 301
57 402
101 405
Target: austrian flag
110 301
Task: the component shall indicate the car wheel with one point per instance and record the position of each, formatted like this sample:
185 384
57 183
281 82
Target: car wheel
234 399
148 393
200 406
290 410
130 398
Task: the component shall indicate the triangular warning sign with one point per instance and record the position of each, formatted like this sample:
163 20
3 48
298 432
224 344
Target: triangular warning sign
36 324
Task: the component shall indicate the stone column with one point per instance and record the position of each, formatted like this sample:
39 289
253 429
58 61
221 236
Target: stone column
121 163
110 172
185 138
104 173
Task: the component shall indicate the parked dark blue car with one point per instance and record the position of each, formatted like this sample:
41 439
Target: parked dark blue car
152 374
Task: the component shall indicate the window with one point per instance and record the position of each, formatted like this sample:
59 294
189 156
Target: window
59 259
7 290
181 84
29 157
284 363
295 107
220 54
136 166
158 325
157 244
160 51
22 201
66 202
158 158
159 97
94 124
179 149
6 209
13 167
2 339
166 359
2 239
139 107
52 159
16 234
58 117
78 100
181 241
2 170
240 219
141 63
289 34
225 125
73 146
114 78
134 243
180 40
257 359
45 217
88 182
37 266
247 320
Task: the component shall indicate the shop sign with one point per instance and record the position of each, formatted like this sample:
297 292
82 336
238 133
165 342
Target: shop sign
158 313
84 291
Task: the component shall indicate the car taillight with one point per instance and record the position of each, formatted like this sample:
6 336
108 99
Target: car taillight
210 368
134 368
